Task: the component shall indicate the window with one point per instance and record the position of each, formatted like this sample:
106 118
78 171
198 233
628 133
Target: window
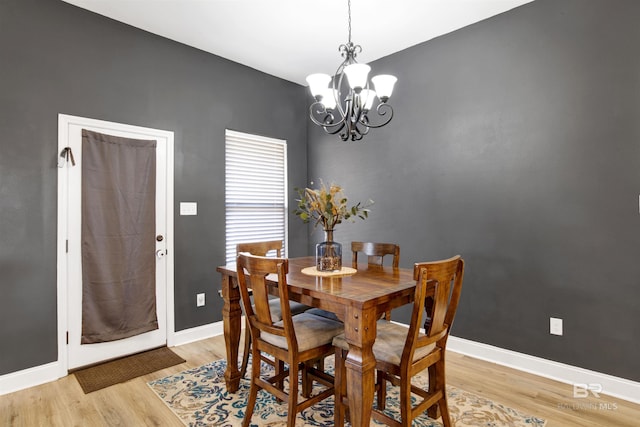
255 190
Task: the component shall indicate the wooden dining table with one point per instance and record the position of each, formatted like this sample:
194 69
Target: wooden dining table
358 300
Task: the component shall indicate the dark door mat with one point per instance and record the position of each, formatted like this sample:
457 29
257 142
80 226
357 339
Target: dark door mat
121 370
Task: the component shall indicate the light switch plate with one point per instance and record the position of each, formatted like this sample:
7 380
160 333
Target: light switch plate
555 326
188 208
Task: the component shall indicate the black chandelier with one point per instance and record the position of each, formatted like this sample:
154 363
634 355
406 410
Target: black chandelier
344 106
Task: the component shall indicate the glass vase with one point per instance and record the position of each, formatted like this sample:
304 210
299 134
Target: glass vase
329 254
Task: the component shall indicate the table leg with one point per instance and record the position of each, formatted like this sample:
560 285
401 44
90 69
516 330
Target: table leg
231 319
360 331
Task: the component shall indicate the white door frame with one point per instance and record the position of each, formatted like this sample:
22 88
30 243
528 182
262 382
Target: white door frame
64 122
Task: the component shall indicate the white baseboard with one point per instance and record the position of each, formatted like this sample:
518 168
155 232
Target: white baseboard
37 375
30 377
196 334
612 386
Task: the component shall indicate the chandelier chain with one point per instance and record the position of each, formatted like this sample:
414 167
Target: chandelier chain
349 6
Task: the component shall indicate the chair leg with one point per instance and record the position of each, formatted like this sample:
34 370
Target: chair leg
444 411
279 367
381 390
307 382
253 391
433 412
293 395
405 401
440 383
246 351
340 387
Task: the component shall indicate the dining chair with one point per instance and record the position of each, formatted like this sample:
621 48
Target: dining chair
273 247
401 352
375 253
296 340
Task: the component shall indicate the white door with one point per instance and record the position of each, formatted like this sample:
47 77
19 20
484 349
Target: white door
69 227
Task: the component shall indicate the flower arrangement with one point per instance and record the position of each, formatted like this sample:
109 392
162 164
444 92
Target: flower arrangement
327 205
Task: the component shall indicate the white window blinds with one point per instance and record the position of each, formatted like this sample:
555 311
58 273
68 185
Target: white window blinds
255 190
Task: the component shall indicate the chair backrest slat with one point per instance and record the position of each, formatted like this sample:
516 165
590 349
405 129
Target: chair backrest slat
261 248
375 252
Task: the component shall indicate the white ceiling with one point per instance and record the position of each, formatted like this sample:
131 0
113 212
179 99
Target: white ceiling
293 38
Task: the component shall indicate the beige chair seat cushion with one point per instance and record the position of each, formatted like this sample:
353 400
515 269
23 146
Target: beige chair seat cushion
276 311
311 331
390 342
323 313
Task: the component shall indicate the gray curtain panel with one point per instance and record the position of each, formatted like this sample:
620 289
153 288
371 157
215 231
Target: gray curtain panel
118 237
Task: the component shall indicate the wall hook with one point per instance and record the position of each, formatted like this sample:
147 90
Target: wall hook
66 155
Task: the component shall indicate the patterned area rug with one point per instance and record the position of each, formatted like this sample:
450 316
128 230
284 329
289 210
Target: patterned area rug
199 398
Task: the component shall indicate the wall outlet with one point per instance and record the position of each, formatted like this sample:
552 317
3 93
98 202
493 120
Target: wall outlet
200 300
555 326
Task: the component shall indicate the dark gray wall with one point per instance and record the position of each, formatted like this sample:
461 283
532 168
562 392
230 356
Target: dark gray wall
516 143
56 58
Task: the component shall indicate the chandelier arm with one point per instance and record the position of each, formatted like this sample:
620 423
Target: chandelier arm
328 117
356 126
350 129
337 93
327 123
333 131
380 110
313 112
354 136
364 131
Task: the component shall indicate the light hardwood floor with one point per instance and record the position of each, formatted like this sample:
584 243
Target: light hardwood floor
62 402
